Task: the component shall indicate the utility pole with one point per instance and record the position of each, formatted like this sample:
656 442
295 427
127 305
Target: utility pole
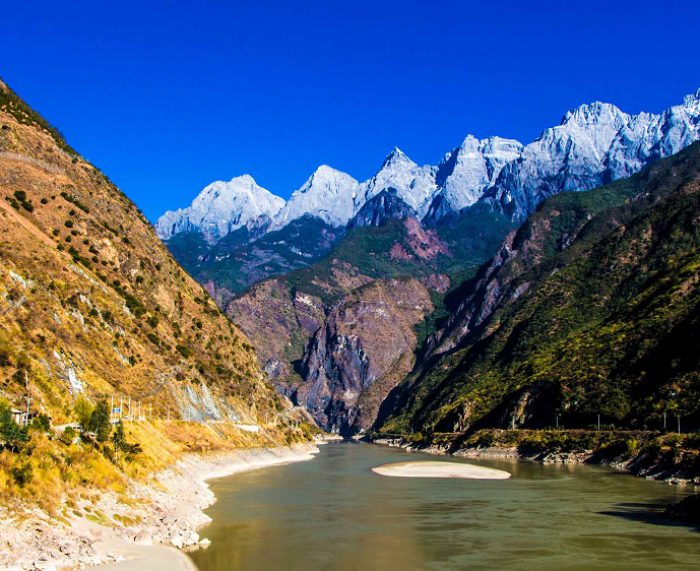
664 421
556 421
599 423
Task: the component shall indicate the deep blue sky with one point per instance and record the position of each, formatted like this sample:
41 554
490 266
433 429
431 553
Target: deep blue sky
168 96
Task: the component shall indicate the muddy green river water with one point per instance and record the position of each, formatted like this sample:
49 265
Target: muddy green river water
333 513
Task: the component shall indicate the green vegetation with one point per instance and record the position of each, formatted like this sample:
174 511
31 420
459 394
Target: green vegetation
12 436
606 321
73 200
23 201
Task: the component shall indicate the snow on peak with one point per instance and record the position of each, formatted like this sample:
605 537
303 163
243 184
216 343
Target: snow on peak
414 184
595 113
468 170
594 143
692 99
327 194
220 208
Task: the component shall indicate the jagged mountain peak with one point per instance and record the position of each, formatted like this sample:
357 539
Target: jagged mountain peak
220 208
595 113
323 175
692 99
327 194
397 157
468 170
413 184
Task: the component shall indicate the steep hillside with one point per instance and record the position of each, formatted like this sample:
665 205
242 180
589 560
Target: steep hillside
92 303
591 307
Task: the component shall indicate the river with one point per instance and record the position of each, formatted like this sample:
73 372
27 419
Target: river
333 513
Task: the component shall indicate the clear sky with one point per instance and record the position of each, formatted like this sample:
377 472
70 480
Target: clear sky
167 96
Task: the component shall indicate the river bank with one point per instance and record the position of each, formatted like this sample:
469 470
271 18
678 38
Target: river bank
660 456
167 510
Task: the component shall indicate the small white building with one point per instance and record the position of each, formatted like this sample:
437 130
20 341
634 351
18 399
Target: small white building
19 416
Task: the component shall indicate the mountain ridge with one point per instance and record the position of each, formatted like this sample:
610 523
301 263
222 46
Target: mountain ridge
597 137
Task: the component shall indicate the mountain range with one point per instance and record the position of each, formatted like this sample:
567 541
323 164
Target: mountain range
346 288
594 144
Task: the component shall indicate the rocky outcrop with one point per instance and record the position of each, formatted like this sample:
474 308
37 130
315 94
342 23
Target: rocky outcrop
278 322
354 359
594 144
387 205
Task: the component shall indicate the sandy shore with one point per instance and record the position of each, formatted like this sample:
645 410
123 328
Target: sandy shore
429 469
163 516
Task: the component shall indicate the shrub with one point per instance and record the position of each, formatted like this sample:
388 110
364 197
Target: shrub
184 351
12 436
68 436
83 410
41 422
99 421
122 445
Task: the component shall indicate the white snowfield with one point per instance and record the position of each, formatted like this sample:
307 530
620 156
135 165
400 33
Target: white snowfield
594 144
430 469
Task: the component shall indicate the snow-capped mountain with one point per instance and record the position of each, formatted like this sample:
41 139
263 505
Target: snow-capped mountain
467 171
415 185
221 208
648 137
594 144
328 194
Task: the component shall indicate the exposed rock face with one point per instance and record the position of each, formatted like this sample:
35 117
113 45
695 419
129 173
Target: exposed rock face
278 322
221 208
467 171
594 144
354 360
413 184
386 205
328 194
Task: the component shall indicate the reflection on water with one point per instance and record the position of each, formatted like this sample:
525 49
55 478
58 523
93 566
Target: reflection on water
334 513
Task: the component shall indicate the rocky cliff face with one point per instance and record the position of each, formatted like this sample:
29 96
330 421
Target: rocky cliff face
385 206
92 303
328 194
593 145
467 171
353 360
336 336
